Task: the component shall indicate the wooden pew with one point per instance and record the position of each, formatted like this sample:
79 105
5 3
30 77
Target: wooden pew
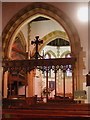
49 110
18 102
49 118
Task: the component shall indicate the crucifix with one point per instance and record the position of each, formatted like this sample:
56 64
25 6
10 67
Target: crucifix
37 42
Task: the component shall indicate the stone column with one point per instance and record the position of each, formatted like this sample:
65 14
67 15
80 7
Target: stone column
5 84
88 87
76 76
29 75
72 82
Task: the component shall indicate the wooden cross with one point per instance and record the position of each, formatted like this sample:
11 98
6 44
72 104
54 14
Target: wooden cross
37 42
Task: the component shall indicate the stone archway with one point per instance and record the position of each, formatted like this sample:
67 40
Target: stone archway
30 11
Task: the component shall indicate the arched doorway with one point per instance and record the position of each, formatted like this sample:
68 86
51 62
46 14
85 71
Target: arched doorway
37 9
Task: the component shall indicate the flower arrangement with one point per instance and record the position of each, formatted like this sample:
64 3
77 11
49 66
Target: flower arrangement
44 91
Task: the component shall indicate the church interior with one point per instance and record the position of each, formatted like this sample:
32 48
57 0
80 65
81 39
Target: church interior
45 72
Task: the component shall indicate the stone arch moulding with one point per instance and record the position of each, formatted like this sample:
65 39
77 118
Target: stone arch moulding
66 52
22 39
51 52
52 36
39 8
25 14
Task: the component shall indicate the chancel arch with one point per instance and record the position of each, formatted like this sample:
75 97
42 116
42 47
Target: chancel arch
39 8
36 9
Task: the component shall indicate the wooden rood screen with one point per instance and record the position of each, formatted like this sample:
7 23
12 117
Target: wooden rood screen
43 65
38 62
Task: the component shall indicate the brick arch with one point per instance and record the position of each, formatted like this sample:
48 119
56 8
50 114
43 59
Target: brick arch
26 14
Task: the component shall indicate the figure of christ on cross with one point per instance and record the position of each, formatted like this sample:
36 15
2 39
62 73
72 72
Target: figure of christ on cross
37 42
